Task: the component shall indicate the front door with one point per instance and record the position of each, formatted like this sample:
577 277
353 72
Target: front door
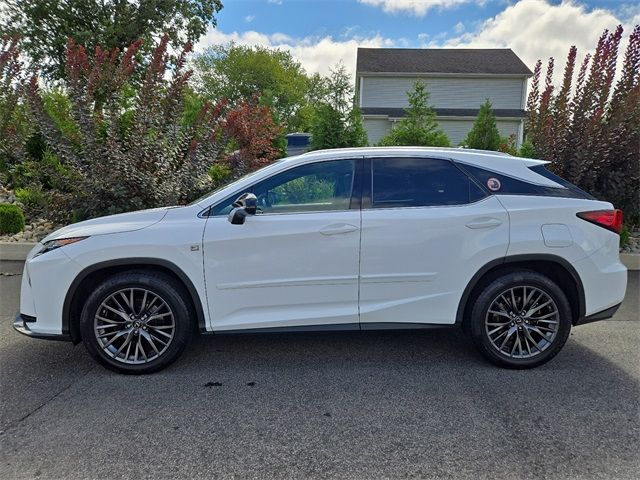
426 230
293 264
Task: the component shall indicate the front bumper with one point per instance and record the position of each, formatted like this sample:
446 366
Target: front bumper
20 325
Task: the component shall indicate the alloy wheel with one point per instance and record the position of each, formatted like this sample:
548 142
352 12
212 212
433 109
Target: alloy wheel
134 326
522 322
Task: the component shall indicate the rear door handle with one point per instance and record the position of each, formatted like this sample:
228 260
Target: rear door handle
338 228
484 223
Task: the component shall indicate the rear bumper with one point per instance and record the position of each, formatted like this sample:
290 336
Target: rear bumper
603 315
21 325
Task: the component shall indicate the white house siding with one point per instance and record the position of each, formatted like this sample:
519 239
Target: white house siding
446 92
456 129
376 128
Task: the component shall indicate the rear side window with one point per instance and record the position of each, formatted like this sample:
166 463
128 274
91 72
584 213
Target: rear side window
420 182
504 185
542 170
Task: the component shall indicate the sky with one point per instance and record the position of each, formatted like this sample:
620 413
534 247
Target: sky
321 33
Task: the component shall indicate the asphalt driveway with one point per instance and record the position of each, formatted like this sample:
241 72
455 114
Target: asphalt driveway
349 405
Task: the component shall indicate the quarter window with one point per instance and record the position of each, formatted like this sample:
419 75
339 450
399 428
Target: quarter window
315 187
420 182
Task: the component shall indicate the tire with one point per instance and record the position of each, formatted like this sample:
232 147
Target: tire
148 337
528 335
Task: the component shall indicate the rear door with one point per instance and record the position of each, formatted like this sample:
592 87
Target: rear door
427 228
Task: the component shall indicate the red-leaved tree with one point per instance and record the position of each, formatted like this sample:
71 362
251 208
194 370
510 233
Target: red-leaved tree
252 135
129 145
591 132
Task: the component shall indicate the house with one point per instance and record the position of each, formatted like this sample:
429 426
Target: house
458 80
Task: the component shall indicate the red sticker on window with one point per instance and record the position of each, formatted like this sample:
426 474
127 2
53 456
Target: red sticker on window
493 184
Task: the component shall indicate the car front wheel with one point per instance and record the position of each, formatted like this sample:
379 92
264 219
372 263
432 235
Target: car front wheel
136 322
521 320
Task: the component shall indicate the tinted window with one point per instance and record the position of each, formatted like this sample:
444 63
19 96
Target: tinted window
542 170
322 186
512 186
420 182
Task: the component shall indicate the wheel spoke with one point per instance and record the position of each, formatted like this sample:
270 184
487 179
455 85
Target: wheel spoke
147 337
122 314
159 315
506 339
514 304
127 341
115 337
144 302
504 325
535 344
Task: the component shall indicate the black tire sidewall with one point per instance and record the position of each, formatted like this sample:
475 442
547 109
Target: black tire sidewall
497 286
160 284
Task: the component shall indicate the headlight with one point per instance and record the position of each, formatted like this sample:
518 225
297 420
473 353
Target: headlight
61 242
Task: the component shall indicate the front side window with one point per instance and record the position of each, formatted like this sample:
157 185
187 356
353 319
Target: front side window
315 187
420 182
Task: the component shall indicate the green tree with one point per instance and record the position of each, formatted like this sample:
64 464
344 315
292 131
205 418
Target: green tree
527 149
237 72
419 127
484 135
337 121
46 25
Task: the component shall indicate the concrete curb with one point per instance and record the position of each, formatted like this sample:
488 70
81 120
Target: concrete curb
19 250
631 260
15 250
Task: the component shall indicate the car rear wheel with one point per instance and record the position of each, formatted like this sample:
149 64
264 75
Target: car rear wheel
136 322
521 320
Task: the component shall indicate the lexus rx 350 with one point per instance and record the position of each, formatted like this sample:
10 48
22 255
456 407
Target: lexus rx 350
353 239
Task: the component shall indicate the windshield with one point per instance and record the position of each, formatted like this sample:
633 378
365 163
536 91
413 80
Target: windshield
244 177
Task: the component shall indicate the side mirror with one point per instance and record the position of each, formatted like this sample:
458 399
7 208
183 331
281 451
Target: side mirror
245 204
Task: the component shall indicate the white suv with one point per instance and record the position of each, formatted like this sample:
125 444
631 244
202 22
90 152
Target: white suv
353 239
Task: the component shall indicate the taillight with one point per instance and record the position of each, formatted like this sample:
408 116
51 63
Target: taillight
609 219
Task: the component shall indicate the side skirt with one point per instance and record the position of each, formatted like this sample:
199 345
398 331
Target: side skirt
340 327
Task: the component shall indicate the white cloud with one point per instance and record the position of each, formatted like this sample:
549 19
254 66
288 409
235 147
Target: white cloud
249 18
316 54
275 2
418 8
459 27
537 29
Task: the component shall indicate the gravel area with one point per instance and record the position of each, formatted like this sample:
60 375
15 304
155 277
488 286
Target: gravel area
633 246
34 229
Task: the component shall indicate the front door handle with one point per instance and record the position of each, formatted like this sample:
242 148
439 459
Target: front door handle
338 228
484 223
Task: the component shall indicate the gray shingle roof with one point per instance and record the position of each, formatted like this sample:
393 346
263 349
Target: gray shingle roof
445 112
440 60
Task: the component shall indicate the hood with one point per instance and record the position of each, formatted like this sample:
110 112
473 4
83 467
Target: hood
123 222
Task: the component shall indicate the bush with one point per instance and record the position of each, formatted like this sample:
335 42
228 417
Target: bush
527 150
625 234
508 145
11 219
